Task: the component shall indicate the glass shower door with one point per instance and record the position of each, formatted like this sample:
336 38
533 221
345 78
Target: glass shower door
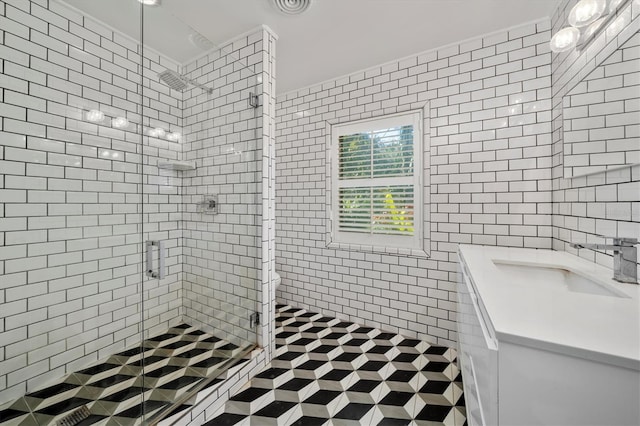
201 202
130 209
70 211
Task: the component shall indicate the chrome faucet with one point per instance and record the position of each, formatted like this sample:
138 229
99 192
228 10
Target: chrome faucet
625 257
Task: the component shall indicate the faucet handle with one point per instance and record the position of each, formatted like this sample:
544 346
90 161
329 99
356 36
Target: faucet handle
621 241
625 241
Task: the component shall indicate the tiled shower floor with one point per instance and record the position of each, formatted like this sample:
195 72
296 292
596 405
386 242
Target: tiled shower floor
173 363
329 372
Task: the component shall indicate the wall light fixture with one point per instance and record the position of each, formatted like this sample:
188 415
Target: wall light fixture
586 18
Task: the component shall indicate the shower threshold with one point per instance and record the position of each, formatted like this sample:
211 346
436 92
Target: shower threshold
177 365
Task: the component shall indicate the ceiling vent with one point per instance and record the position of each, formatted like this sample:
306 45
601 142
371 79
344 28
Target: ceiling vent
292 7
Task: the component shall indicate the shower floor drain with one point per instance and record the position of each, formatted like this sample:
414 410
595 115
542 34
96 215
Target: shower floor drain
75 417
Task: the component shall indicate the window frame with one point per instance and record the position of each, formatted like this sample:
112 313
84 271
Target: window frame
384 241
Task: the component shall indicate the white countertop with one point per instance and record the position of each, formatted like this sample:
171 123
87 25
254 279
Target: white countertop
600 328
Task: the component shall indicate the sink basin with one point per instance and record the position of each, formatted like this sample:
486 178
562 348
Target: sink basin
557 278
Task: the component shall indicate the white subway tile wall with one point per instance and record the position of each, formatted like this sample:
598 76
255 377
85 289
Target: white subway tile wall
607 203
223 135
75 196
234 251
489 107
71 202
601 124
78 199
71 207
266 331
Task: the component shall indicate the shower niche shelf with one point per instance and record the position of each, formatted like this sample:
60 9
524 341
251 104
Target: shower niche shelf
177 165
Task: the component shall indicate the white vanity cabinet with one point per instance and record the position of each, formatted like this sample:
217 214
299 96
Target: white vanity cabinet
528 358
477 354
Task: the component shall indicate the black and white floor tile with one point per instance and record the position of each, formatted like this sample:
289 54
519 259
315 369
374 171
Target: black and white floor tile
331 372
112 392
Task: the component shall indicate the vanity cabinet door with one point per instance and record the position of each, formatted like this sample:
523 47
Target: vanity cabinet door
478 356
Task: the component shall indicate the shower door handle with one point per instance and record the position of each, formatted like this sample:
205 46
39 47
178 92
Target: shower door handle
159 274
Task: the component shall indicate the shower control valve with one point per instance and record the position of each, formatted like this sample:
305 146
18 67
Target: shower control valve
208 205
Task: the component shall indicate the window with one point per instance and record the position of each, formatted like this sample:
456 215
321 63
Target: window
376 174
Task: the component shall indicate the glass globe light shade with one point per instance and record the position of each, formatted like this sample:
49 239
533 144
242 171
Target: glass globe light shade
586 12
565 39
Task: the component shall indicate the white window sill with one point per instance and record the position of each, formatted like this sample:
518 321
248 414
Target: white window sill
380 249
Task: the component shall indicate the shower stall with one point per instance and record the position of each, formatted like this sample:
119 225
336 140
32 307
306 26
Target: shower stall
136 211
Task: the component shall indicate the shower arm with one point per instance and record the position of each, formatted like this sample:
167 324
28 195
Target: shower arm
195 83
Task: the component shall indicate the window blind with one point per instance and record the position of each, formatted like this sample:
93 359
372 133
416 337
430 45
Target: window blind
376 182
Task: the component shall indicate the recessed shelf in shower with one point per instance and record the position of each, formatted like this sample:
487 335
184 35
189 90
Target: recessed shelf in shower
177 165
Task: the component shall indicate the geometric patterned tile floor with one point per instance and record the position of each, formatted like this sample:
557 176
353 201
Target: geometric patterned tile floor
330 372
113 390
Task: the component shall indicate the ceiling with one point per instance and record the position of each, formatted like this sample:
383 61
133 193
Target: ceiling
332 38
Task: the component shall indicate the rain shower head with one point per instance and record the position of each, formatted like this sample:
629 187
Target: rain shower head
179 82
173 80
